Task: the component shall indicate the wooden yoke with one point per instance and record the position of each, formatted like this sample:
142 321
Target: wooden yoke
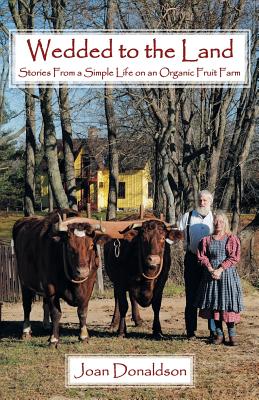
112 228
115 228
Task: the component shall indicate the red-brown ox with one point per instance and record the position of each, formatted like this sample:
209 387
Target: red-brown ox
140 265
57 259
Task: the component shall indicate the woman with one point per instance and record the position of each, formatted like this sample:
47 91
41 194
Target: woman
220 294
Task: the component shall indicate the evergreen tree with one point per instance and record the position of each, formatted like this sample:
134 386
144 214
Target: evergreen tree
12 167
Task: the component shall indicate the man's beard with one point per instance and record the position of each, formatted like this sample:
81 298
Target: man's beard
203 211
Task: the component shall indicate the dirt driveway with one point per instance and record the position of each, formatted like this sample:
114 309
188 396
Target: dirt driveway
172 316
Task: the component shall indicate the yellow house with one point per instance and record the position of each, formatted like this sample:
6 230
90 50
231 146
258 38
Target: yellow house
92 177
135 188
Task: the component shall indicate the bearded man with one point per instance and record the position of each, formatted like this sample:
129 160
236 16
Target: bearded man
196 224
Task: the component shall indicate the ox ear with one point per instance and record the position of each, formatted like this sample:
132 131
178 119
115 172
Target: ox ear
56 239
130 235
58 236
175 234
101 239
131 228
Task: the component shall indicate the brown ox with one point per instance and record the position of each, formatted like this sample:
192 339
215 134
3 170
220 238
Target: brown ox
140 265
57 259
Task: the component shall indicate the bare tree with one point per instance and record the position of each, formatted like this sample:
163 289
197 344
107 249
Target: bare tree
192 150
50 147
58 22
23 16
112 131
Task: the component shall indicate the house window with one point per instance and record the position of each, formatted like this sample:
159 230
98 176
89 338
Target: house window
121 191
150 190
101 185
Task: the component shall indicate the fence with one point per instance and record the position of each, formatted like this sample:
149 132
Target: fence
10 289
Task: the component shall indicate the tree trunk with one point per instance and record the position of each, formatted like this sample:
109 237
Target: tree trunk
50 198
50 146
245 128
170 206
23 16
112 132
249 265
113 155
238 194
70 181
58 8
158 205
29 190
218 125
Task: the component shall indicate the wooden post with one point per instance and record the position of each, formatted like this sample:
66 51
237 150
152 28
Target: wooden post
88 210
50 198
64 217
141 211
99 282
162 217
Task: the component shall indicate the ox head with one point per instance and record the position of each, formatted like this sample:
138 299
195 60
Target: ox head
154 236
79 240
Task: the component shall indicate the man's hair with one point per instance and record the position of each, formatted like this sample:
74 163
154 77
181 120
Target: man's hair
220 213
206 193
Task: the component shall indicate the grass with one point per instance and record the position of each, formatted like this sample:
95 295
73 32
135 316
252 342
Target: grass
31 370
6 222
248 288
170 290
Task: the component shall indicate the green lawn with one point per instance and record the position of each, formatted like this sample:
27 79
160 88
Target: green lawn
7 221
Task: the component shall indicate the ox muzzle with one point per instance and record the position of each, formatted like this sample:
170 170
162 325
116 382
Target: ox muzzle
153 260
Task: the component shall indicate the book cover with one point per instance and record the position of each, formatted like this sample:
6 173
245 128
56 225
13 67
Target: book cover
123 110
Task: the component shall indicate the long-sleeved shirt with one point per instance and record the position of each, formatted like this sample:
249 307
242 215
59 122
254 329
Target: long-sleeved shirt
232 252
199 227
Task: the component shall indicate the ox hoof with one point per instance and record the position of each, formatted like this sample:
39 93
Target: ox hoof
53 345
26 336
83 340
158 336
122 335
113 328
139 322
46 326
53 341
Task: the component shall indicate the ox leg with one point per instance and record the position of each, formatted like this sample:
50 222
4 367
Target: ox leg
123 307
55 312
135 311
46 315
82 314
116 314
27 296
156 305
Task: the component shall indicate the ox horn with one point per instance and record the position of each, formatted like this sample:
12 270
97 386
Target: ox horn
136 225
62 225
102 228
171 226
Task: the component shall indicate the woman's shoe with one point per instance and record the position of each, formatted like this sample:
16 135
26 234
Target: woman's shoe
218 340
233 341
213 335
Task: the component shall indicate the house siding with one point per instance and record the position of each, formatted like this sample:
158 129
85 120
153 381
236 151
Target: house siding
136 187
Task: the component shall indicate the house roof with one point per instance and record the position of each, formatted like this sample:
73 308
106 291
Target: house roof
132 155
